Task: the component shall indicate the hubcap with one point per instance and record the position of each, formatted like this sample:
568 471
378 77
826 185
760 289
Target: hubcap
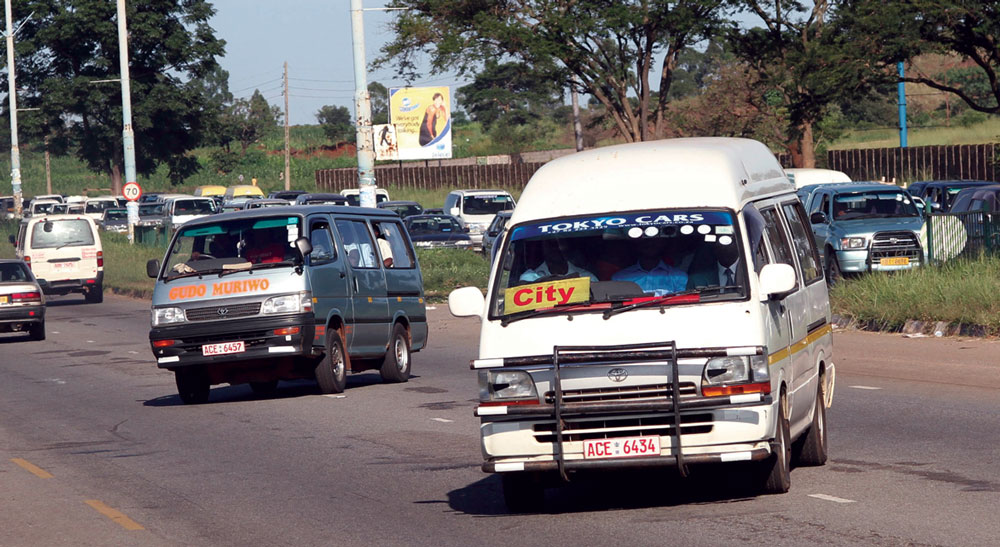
402 356
338 362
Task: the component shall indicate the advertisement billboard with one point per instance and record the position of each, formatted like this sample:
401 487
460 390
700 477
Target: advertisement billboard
422 116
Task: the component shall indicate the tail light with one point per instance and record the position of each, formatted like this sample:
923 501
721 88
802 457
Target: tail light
163 343
25 297
100 259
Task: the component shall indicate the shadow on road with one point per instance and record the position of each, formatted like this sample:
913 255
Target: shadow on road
15 337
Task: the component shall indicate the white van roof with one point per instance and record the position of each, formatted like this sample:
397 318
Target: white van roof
674 173
804 176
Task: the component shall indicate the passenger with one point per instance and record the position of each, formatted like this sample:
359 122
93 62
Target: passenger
550 262
650 272
719 270
265 247
384 248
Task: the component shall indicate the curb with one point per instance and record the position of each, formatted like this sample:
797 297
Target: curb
912 326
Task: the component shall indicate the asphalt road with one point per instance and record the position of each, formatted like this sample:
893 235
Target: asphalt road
96 449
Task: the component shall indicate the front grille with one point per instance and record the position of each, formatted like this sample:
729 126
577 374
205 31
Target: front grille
223 312
658 392
616 427
894 244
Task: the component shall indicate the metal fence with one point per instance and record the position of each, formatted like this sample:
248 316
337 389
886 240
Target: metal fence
962 235
952 162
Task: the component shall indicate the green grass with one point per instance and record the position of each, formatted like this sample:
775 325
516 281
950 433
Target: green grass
445 270
984 132
959 291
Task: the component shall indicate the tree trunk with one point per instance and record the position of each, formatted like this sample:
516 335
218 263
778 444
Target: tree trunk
116 179
807 146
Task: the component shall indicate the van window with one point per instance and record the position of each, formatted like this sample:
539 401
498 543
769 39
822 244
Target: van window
486 204
777 238
755 234
194 207
358 243
221 246
61 233
324 251
804 245
99 206
401 255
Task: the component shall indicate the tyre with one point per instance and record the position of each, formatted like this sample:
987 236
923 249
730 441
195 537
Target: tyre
37 331
833 273
396 365
95 294
523 492
331 372
775 472
264 389
192 385
812 446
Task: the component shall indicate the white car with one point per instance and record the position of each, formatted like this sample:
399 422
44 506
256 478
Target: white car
95 207
476 209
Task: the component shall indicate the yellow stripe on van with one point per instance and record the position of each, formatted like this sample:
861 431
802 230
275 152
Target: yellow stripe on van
811 338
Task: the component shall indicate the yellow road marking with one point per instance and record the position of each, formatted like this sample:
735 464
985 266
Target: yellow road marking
114 515
32 468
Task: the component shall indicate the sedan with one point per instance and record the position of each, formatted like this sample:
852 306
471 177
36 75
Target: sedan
438 232
22 305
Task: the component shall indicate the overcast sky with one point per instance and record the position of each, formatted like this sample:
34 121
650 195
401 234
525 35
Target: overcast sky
314 36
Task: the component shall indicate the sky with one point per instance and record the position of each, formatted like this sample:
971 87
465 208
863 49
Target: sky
314 37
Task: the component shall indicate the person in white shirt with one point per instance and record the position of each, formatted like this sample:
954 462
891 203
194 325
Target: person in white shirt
550 262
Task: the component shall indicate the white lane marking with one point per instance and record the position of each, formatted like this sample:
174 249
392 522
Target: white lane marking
336 396
834 499
134 352
431 307
443 420
870 388
56 332
90 341
55 381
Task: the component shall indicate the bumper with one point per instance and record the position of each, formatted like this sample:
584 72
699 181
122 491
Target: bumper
66 286
262 344
857 262
20 315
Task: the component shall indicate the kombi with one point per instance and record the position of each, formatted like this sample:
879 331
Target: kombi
476 209
287 292
679 319
64 253
179 210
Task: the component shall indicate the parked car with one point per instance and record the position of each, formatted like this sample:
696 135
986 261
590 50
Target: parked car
437 231
115 220
402 208
476 209
353 196
41 207
243 191
977 208
151 214
64 253
210 190
22 304
494 234
7 207
261 203
865 227
178 210
940 194
94 207
801 176
982 199
321 199
68 209
287 195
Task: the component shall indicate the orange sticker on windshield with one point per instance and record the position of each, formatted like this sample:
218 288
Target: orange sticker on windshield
546 295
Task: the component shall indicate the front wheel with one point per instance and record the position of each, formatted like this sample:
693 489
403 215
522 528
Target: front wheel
833 273
331 372
396 365
193 385
775 472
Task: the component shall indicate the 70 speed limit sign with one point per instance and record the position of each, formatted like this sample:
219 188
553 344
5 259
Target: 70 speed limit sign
131 191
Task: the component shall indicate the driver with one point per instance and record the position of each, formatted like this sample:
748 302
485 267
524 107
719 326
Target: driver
548 260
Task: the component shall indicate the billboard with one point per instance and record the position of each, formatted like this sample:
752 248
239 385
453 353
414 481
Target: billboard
422 116
385 142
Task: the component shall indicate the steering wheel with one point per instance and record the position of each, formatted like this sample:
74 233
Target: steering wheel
204 256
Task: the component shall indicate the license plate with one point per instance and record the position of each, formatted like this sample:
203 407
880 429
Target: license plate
627 447
64 266
895 261
224 348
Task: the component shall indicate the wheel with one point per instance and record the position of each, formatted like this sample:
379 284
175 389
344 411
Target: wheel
812 447
396 365
833 273
523 492
331 372
192 385
264 389
37 331
775 472
95 294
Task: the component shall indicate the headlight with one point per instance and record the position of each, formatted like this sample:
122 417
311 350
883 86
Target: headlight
463 242
422 243
289 303
497 385
165 316
476 228
736 370
852 243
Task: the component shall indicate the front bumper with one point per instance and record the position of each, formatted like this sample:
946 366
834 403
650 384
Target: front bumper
20 315
258 335
857 261
66 286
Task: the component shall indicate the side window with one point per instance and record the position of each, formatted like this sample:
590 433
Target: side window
324 251
804 246
449 202
358 243
755 234
392 244
777 239
824 206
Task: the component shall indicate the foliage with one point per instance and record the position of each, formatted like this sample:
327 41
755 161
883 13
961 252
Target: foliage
696 69
509 94
379 95
66 45
337 123
605 49
247 121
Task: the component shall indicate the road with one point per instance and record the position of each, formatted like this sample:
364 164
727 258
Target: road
96 449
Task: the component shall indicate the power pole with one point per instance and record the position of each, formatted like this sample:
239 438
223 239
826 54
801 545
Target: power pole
577 128
128 137
288 159
15 152
48 168
363 110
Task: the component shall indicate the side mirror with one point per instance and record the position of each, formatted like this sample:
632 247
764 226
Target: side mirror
776 281
935 206
454 211
153 268
304 247
817 218
492 234
466 302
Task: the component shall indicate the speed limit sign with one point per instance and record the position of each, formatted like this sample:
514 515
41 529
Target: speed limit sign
131 191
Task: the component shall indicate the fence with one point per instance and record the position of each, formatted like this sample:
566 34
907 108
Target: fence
957 162
962 235
510 175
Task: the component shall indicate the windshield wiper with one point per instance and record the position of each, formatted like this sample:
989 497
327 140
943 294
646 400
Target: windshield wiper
68 243
565 308
680 298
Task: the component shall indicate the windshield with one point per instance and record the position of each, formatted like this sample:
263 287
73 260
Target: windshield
433 225
61 233
619 258
116 214
43 208
99 206
880 204
486 204
233 245
194 207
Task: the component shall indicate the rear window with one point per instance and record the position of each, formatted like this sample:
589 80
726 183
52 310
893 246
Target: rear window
13 272
61 233
487 204
100 206
194 207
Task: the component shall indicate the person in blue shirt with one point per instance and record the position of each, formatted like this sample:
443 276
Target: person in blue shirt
550 262
650 272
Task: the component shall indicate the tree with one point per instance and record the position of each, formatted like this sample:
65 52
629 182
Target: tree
68 44
337 123
606 49
509 94
214 88
249 120
379 102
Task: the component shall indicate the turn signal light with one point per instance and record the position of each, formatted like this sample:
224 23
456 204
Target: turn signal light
716 391
163 343
286 331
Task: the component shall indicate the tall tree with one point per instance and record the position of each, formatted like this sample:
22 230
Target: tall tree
380 102
510 94
247 121
606 49
68 44
337 123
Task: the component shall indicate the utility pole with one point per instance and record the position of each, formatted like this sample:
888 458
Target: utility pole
363 110
577 128
48 168
128 137
288 160
15 152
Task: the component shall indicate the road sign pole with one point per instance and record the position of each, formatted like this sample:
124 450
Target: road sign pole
128 137
363 110
15 152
